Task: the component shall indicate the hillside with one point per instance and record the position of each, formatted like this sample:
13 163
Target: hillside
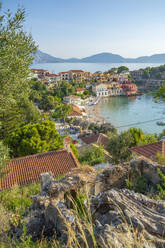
40 57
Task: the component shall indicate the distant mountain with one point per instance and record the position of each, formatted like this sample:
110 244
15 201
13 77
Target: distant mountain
156 58
104 58
73 60
41 57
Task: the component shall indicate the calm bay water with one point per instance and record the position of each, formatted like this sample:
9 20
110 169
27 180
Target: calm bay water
92 67
126 112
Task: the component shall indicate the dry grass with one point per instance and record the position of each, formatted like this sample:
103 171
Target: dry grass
82 230
129 238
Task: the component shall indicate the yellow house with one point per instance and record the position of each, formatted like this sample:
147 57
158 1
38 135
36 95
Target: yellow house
76 75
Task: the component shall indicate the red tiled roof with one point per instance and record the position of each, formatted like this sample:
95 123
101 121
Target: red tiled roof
52 75
79 89
96 138
63 72
150 151
75 111
27 169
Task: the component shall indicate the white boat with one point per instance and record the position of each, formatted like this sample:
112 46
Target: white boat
160 123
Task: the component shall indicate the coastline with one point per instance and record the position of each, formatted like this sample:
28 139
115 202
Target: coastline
93 113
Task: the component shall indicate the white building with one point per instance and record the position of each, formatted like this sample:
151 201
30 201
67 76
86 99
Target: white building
75 100
100 89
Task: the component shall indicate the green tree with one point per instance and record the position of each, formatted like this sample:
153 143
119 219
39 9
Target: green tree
47 103
137 135
61 111
4 158
34 138
141 138
16 48
148 139
160 94
122 69
162 134
146 73
118 147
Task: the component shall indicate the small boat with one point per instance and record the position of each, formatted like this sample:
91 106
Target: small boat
160 123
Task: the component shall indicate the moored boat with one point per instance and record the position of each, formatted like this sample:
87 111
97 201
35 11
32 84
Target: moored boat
160 123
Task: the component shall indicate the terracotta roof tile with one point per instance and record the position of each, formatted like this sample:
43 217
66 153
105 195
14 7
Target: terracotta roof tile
52 75
75 111
80 89
27 169
150 151
96 138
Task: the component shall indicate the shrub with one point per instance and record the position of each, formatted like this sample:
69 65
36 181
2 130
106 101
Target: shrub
18 199
74 150
161 186
93 156
160 158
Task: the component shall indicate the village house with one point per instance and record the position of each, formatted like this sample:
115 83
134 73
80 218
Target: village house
107 89
137 74
72 99
88 75
40 73
64 76
100 89
53 78
76 75
114 89
123 77
80 90
98 76
111 77
76 113
26 170
129 88
150 151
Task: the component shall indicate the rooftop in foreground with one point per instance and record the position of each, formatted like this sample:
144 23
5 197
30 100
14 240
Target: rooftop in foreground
26 170
150 151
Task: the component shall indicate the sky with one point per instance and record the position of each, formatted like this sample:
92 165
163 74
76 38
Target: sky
80 28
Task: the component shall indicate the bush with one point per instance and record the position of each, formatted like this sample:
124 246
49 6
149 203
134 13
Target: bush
18 199
74 150
161 187
137 183
160 158
93 156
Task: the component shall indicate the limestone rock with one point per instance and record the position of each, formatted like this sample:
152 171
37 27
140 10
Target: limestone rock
119 217
118 207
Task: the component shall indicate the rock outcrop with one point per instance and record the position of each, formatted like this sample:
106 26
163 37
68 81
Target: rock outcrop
88 208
